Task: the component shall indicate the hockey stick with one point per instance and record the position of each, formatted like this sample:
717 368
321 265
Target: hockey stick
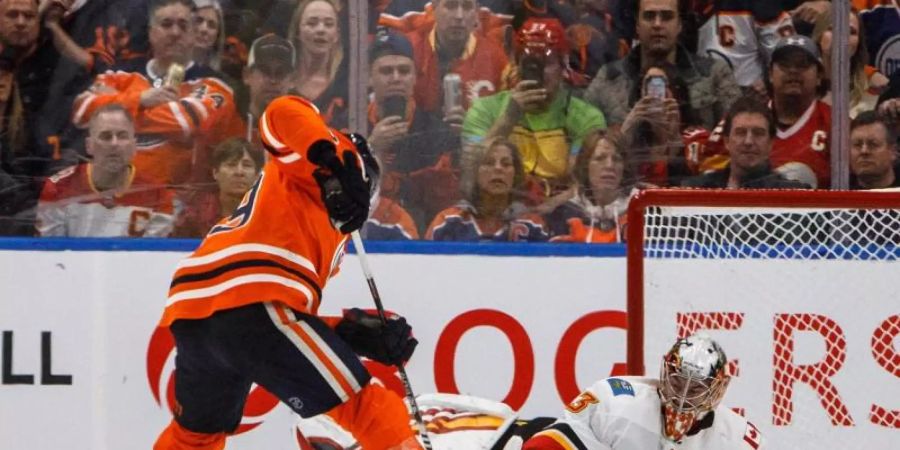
364 263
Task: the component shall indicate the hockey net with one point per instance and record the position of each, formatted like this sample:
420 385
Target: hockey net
800 288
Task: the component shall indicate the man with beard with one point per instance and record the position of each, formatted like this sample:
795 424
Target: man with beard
748 130
801 148
179 115
108 196
711 87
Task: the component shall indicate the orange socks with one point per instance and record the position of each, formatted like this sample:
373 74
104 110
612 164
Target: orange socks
376 417
175 437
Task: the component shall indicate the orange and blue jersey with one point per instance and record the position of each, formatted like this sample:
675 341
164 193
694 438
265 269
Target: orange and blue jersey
461 223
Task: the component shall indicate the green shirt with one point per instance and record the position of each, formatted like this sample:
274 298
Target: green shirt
545 139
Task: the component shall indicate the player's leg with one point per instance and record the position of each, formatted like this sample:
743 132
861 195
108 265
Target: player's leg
209 393
313 371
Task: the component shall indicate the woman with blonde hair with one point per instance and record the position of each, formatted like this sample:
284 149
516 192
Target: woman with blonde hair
321 74
865 80
605 184
492 185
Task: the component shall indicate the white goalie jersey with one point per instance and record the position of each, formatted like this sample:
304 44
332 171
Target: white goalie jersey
625 413
743 33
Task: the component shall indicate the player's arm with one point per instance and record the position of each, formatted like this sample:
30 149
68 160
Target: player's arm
341 167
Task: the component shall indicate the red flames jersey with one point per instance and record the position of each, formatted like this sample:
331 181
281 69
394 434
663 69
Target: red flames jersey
71 206
481 69
800 152
279 244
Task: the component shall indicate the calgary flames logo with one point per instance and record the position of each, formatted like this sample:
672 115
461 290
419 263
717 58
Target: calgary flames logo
161 376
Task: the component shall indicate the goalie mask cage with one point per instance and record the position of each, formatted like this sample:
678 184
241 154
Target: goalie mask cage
801 289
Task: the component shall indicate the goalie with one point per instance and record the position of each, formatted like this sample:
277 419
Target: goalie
679 411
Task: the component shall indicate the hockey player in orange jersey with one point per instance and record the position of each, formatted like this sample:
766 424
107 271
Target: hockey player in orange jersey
243 307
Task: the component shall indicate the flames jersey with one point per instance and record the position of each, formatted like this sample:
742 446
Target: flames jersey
279 244
71 206
168 134
481 69
624 413
800 152
743 33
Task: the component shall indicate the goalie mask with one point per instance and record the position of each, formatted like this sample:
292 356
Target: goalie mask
692 382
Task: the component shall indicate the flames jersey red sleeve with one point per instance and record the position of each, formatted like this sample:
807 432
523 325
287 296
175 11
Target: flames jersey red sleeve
279 243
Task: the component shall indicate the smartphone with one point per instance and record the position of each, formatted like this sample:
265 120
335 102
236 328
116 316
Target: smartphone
532 68
394 105
655 87
452 94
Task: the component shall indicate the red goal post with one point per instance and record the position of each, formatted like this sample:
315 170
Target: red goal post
801 288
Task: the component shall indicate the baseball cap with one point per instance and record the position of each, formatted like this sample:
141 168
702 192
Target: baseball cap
542 36
390 43
797 43
271 47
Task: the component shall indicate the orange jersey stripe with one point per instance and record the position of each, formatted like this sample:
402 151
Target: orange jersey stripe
341 377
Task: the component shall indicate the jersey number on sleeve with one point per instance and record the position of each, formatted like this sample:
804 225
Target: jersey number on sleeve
243 213
582 402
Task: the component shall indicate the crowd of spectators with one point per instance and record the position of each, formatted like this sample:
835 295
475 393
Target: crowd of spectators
494 120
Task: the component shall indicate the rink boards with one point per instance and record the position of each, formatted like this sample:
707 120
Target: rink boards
84 366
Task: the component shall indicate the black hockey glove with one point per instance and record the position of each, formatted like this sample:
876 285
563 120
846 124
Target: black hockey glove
367 336
344 189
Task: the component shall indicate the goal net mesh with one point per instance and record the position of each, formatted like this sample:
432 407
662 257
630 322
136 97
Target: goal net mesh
804 302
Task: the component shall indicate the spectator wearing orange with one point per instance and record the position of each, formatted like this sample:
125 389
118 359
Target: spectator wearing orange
322 72
174 122
451 45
